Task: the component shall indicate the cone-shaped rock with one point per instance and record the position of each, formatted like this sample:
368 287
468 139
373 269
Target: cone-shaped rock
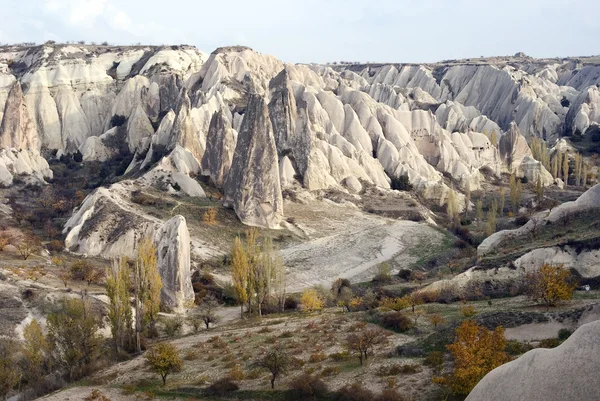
17 129
252 185
220 146
184 132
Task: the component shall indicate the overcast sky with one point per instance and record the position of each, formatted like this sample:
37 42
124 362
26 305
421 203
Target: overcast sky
319 30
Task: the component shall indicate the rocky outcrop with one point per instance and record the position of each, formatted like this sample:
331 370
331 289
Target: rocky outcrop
252 186
172 241
518 157
567 372
17 130
28 164
184 132
220 146
584 111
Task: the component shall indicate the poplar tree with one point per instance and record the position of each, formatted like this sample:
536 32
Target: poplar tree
502 201
239 275
119 311
566 169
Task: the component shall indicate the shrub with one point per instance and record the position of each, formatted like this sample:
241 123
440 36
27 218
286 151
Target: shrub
549 343
222 387
330 371
405 274
435 360
563 334
354 392
173 326
389 394
290 303
307 387
401 183
340 356
398 369
317 357
55 246
468 311
117 120
396 321
384 273
210 216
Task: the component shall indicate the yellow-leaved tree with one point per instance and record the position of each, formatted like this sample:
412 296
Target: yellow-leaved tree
476 351
119 310
550 284
311 300
239 274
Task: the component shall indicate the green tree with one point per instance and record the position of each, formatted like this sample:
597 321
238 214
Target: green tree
492 218
164 359
208 310
73 336
119 309
147 289
479 209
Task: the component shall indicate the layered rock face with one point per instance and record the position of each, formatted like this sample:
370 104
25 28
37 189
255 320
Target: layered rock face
567 372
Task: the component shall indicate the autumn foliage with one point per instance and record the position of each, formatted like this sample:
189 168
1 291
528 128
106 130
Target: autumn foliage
550 284
476 351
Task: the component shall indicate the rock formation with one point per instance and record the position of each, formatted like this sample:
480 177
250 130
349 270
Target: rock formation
17 130
220 146
567 372
252 185
173 246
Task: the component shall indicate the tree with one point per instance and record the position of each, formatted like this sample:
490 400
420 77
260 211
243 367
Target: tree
414 299
10 374
276 361
28 246
539 189
64 273
467 197
147 289
5 239
151 301
73 336
119 309
479 209
84 270
515 193
384 273
492 219
436 319
311 300
555 164
501 201
164 359
452 206
208 308
565 168
263 274
279 280
550 284
364 341
476 351
35 348
239 274
401 183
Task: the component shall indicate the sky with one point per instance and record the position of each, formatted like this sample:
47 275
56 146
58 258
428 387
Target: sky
319 30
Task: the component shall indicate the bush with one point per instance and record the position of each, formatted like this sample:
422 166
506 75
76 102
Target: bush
172 327
117 120
401 183
405 274
563 334
398 369
354 392
290 303
549 343
317 357
396 321
435 360
222 387
307 387
55 246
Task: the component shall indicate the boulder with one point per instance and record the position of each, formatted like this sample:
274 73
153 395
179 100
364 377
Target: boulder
567 372
252 186
172 241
